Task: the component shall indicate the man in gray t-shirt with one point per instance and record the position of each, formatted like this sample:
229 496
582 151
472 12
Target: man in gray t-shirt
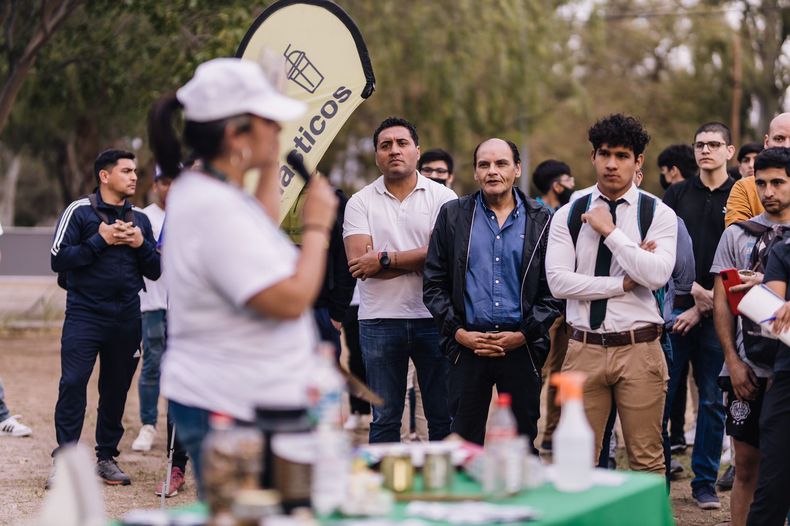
743 381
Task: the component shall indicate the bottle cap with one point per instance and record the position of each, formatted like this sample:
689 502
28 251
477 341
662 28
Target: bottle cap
570 385
220 421
504 400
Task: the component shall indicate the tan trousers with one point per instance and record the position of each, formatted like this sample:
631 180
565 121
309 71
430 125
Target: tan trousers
559 345
636 375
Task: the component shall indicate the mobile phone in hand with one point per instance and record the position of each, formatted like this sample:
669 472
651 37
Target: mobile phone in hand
730 278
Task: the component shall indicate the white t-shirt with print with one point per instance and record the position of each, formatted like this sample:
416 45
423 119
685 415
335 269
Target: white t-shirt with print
394 226
221 249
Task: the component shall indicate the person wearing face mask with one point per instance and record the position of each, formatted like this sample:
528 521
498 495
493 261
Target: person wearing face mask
676 163
437 165
554 182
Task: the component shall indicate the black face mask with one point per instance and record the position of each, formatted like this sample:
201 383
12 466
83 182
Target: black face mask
663 181
565 196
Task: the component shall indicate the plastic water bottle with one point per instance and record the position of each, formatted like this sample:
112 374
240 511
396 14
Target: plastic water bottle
332 464
505 452
573 439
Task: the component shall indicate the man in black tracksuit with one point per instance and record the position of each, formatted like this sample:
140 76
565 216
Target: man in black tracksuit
485 284
101 250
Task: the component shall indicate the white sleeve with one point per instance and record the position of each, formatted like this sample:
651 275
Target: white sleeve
564 281
650 269
355 220
244 253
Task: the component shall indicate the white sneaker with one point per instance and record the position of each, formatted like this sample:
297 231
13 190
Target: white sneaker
12 427
145 439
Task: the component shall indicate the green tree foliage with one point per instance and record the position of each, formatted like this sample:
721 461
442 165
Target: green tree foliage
538 72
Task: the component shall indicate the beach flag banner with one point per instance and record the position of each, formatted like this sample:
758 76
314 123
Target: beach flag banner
326 65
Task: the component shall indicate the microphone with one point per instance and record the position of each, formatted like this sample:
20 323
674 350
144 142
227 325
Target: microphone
295 160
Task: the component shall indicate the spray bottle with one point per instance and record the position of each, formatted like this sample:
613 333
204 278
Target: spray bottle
573 439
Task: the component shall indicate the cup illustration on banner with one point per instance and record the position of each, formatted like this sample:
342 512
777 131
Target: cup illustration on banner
301 70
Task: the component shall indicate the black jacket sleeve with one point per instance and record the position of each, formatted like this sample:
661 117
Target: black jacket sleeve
545 309
437 284
148 258
69 251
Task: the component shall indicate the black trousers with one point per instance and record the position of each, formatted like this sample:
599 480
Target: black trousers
355 363
772 496
180 455
471 380
116 343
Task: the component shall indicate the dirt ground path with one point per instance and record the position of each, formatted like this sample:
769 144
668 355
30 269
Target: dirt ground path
30 369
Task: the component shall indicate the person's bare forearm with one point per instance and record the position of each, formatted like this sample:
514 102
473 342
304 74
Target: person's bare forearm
724 322
408 260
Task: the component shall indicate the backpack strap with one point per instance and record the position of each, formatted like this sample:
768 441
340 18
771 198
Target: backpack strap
102 215
753 227
579 207
128 215
645 213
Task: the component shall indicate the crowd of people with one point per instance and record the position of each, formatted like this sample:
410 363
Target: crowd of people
493 289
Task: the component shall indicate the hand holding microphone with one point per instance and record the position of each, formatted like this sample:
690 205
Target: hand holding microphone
320 205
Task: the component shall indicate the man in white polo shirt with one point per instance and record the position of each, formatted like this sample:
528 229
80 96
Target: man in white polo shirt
387 228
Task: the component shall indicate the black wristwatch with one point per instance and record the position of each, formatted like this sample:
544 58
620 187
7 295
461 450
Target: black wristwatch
384 260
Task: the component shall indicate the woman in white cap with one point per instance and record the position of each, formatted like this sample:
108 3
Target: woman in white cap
240 332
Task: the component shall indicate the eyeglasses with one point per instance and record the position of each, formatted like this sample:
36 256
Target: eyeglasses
712 145
427 171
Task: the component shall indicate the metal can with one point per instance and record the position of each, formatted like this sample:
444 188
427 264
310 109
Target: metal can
398 472
438 471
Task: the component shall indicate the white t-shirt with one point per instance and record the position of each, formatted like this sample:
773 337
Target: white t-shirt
154 296
394 226
220 250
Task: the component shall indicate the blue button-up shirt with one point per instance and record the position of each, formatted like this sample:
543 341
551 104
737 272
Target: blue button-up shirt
492 298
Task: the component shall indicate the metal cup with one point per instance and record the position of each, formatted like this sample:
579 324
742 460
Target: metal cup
438 471
398 472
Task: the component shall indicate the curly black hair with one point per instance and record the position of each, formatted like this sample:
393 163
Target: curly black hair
619 130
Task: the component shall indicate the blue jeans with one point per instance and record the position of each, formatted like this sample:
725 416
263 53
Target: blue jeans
387 345
701 346
154 335
191 427
4 412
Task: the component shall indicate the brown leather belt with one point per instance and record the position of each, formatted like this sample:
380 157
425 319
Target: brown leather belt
686 301
615 339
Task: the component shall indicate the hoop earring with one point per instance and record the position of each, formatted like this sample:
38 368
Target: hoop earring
234 160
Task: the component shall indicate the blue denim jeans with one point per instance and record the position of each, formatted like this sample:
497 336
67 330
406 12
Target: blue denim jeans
387 345
702 348
191 427
154 336
4 412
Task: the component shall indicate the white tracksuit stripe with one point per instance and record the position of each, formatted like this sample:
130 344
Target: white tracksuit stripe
64 223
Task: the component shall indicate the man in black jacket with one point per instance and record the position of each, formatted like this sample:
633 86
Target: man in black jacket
102 248
485 284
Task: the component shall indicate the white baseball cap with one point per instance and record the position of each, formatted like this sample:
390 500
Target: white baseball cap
226 87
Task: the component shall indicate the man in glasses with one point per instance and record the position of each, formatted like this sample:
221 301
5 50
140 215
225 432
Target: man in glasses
437 165
744 203
700 201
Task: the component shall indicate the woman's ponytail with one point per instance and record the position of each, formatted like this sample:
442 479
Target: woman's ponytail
162 135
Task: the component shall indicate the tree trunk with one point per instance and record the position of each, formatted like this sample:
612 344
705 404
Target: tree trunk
7 207
52 15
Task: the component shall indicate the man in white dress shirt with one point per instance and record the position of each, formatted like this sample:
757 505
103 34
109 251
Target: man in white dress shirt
595 262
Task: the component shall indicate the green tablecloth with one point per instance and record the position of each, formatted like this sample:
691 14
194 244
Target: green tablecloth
642 500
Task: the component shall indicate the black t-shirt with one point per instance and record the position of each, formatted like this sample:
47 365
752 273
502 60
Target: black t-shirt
703 210
778 269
